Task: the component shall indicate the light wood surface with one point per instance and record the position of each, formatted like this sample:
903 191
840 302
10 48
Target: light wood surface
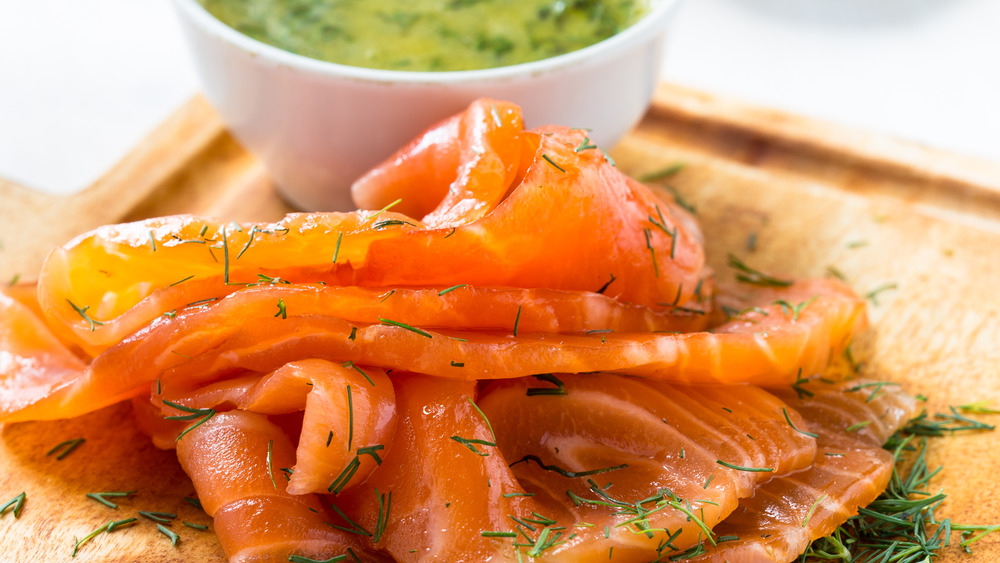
812 194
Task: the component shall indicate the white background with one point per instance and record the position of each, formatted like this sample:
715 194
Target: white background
81 81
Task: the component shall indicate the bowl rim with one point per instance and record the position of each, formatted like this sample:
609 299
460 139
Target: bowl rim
648 25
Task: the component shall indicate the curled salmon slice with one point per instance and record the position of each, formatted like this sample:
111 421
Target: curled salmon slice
850 471
443 488
527 204
241 332
459 164
234 460
636 468
347 411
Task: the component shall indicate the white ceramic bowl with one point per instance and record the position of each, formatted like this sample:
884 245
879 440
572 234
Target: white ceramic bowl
318 126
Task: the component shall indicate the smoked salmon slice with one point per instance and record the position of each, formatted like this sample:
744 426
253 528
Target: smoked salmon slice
234 460
790 330
443 486
675 464
852 421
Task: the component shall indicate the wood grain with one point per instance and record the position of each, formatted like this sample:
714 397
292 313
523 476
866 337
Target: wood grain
812 195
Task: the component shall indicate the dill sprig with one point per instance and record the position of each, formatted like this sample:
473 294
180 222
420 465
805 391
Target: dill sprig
100 497
67 447
900 525
16 502
663 173
205 415
82 311
746 274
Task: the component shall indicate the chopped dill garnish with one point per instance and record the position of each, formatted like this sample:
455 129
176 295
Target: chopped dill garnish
77 544
450 289
391 223
205 415
483 416
382 520
496 115
354 333
350 364
195 526
67 447
858 426
471 443
605 286
355 528
553 163
789 420
584 145
746 274
282 312
835 272
99 497
121 523
979 407
350 422
652 251
941 423
877 385
873 294
517 319
493 534
559 389
174 538
741 468
163 517
384 209
812 510
405 326
83 313
797 386
679 200
663 173
181 281
565 473
352 467
336 250
16 502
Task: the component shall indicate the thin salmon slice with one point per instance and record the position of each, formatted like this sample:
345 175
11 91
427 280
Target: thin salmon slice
461 306
627 464
443 487
234 460
851 470
244 331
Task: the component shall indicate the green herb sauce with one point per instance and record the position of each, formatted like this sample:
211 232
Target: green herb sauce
428 35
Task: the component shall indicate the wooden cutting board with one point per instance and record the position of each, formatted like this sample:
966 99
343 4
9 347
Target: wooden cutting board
919 227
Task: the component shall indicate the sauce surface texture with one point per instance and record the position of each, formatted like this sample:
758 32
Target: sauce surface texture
428 35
